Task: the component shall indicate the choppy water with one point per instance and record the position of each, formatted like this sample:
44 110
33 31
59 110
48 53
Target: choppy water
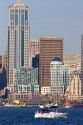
25 116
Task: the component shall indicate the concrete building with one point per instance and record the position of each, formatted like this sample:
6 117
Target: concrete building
73 62
35 88
74 86
59 77
18 38
21 97
20 81
25 80
49 48
46 90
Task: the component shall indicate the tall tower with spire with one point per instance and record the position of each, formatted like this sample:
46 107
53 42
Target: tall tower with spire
18 37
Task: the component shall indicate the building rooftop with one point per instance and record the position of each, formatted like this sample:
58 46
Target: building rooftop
57 59
18 4
51 38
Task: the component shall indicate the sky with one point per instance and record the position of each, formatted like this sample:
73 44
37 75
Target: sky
51 18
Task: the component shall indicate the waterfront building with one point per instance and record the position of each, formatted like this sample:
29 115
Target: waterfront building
73 62
74 86
18 38
34 49
49 48
21 97
31 98
59 76
25 79
21 84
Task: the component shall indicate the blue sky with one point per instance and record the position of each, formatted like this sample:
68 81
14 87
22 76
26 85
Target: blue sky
52 18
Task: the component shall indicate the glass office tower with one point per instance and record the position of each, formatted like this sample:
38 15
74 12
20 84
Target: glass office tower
18 37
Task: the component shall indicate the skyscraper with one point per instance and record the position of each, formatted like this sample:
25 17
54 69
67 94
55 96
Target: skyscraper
18 37
49 49
59 77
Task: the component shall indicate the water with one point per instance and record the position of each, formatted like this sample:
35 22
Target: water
25 116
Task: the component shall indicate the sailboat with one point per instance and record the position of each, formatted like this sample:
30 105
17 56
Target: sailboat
45 113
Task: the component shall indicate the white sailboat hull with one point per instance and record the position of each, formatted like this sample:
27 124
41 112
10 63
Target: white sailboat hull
50 115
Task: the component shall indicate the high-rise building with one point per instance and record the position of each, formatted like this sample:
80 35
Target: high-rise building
49 49
75 86
18 37
25 79
82 63
59 77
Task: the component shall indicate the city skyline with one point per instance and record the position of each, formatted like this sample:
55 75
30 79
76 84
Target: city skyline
66 22
43 61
